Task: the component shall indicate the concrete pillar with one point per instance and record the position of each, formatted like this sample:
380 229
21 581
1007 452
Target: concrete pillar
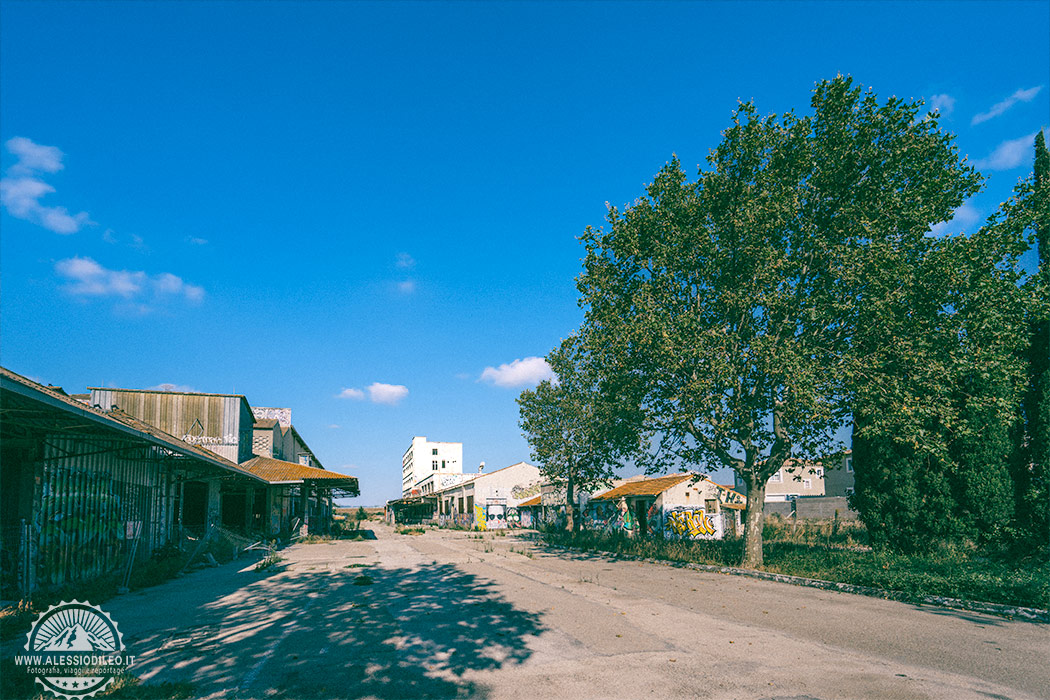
214 501
304 507
270 528
249 506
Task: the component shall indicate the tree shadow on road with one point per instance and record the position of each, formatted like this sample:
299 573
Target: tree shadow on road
978 618
372 632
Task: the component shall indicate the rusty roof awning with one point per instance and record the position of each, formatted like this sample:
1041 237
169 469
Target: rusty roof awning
34 406
279 472
645 487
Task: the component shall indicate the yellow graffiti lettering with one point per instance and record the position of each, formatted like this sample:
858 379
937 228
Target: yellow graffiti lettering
690 523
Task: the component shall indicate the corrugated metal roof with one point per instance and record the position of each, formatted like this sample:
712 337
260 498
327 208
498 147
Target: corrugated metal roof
646 487
121 421
279 471
162 391
151 429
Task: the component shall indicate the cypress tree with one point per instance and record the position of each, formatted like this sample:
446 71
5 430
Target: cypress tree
904 496
981 479
1031 475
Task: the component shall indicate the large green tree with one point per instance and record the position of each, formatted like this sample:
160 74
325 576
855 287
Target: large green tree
733 302
577 433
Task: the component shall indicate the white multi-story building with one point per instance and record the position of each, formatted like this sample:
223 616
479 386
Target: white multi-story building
830 477
425 458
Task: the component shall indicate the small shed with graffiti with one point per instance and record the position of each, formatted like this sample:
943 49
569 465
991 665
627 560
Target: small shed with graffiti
530 512
679 506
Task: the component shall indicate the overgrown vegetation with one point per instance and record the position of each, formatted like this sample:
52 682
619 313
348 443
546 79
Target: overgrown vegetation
402 530
834 552
272 559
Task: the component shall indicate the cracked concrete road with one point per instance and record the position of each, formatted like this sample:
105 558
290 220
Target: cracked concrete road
446 615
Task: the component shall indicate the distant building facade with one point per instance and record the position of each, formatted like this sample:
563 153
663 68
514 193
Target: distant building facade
832 476
838 475
485 500
426 458
488 500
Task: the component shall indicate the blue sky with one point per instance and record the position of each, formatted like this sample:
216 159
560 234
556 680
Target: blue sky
368 212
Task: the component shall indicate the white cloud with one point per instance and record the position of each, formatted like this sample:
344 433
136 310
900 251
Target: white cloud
21 197
21 190
405 261
333 426
1001 107
172 285
171 387
355 394
1008 154
32 157
390 394
944 104
963 219
198 241
528 371
87 278
406 287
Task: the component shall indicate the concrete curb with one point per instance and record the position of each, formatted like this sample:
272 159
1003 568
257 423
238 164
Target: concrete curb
1008 611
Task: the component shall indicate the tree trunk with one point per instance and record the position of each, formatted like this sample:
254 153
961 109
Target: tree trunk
753 517
570 521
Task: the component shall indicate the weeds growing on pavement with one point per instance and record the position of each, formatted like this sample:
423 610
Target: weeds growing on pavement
272 559
402 530
950 573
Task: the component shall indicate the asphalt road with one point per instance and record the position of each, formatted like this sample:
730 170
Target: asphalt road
446 614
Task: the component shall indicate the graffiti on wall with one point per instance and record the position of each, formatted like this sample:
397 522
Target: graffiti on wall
690 522
729 496
524 492
446 480
479 516
513 517
553 516
603 516
282 415
600 516
495 516
464 520
654 518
